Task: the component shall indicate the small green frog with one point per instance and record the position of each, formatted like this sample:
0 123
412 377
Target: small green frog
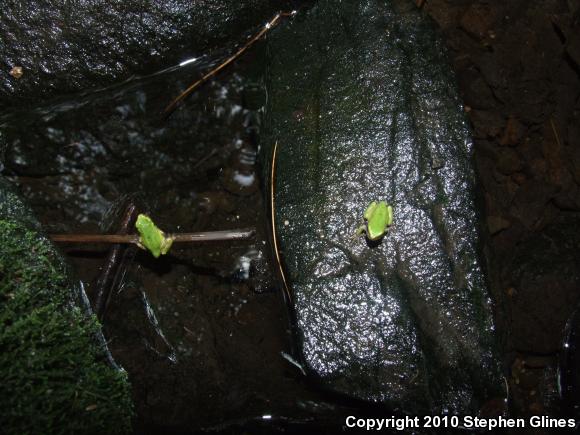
151 237
378 216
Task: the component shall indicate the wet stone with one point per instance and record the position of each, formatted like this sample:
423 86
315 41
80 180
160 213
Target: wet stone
486 124
477 20
497 223
513 132
493 71
573 48
64 48
534 77
362 105
508 162
49 333
476 92
519 178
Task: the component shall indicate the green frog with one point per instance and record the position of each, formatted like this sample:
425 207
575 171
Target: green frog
378 217
151 237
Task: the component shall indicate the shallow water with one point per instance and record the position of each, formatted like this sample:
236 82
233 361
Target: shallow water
203 330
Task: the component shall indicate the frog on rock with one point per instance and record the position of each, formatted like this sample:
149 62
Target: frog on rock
378 217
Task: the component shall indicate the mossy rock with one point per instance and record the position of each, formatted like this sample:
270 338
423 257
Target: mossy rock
363 106
56 372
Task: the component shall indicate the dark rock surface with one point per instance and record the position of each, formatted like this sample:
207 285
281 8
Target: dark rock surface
518 66
523 59
68 46
406 322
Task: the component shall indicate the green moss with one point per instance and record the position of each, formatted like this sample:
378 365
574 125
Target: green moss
55 376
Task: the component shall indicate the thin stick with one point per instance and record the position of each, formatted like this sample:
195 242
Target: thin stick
555 132
273 219
207 236
269 25
106 280
94 238
211 236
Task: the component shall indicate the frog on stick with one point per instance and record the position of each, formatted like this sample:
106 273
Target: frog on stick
151 237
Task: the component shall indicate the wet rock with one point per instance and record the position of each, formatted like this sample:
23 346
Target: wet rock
533 75
493 71
508 162
12 208
575 163
446 14
486 124
240 182
362 107
530 201
514 130
537 168
478 19
545 272
476 92
497 223
48 333
519 178
533 385
557 173
573 48
503 243
240 177
569 198
573 6
569 365
65 48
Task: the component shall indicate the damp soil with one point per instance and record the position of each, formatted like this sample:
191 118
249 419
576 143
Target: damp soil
203 332
518 66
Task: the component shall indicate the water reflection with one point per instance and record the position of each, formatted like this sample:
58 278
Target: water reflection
202 328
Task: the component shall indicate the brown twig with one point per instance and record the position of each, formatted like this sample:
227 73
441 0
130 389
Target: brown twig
269 25
556 135
94 238
273 219
213 236
207 236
